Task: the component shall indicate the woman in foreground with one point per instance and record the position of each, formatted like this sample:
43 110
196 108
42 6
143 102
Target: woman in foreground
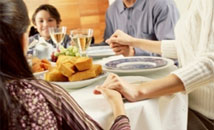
27 103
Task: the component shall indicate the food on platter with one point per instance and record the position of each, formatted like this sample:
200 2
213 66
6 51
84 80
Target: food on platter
39 65
70 68
83 63
70 51
54 75
67 68
94 71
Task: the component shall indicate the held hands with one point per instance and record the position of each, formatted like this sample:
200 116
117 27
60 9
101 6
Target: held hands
120 38
121 43
124 50
115 100
129 91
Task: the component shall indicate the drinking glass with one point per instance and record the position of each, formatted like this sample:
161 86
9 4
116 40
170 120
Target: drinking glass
82 39
57 35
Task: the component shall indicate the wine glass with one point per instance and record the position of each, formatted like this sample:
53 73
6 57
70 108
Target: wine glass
57 35
82 39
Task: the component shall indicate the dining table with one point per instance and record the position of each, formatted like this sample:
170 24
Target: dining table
161 113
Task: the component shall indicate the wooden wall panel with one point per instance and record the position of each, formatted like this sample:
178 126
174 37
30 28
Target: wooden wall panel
77 14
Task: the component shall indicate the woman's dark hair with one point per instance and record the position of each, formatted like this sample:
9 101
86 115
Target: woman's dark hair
14 22
49 8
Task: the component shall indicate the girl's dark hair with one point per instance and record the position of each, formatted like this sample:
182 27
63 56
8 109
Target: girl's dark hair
49 8
14 22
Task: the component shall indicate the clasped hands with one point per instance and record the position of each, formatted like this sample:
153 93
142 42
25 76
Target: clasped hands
121 43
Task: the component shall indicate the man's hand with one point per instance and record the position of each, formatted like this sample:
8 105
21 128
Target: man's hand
124 50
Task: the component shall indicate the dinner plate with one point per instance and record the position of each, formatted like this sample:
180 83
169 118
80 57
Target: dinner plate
100 51
80 84
137 64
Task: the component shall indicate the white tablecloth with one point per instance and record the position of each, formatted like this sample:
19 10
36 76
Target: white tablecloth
165 113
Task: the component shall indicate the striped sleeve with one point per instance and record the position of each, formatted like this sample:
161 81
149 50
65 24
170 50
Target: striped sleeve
168 49
66 109
197 73
121 123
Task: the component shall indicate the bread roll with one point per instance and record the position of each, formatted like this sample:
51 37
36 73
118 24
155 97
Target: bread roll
67 68
62 59
54 75
94 71
83 63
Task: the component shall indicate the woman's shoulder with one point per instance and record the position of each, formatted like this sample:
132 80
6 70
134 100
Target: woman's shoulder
34 105
19 84
20 89
31 84
48 89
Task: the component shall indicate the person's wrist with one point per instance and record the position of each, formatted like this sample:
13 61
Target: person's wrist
118 107
133 41
139 93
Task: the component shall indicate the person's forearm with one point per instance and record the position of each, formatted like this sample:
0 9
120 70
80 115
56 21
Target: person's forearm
118 108
149 45
168 85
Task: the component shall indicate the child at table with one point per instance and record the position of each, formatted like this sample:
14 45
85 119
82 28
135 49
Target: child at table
44 17
27 103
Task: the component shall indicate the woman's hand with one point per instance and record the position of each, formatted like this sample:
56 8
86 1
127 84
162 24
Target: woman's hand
129 91
124 50
120 37
115 100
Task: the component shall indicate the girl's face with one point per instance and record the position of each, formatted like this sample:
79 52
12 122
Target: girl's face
43 21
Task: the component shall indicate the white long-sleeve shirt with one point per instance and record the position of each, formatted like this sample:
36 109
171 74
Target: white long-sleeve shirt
194 48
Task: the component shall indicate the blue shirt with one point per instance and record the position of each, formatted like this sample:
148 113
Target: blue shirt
148 19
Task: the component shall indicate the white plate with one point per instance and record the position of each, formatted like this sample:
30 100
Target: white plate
137 64
100 51
80 84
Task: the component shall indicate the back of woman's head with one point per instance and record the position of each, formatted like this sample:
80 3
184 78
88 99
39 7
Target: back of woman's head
14 22
50 9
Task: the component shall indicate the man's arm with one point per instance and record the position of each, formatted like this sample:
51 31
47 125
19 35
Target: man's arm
108 30
165 17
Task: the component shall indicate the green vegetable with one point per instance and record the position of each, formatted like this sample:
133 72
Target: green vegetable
70 51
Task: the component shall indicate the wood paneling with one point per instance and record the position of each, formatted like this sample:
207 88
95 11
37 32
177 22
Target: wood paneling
77 13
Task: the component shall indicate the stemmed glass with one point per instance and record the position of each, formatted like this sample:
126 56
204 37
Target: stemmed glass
57 35
82 39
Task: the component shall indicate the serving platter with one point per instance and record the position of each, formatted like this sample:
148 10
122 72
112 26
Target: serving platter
80 84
